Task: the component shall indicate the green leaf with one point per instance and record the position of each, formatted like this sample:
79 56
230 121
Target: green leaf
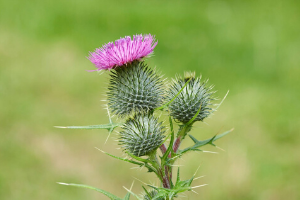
110 127
123 159
127 196
179 187
209 141
147 193
165 105
145 161
111 196
150 168
100 126
171 142
203 142
136 196
139 158
195 116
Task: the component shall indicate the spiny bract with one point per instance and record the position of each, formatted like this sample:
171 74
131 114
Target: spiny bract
152 193
134 88
142 134
195 95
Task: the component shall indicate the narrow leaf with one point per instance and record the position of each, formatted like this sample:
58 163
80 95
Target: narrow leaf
203 142
111 196
123 159
140 159
127 196
165 105
208 141
147 193
101 126
195 116
171 142
136 196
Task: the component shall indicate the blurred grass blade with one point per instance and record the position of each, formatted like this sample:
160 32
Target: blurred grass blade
111 196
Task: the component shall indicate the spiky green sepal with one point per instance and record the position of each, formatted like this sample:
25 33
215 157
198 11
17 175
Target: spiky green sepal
134 88
142 134
151 195
194 96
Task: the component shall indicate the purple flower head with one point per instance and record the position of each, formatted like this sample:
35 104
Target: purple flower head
122 51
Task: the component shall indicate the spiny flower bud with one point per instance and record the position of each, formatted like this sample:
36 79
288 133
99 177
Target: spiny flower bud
141 135
134 88
194 96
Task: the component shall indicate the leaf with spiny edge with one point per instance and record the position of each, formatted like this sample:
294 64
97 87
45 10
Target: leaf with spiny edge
110 127
147 193
149 167
203 142
125 159
136 196
111 196
145 161
179 187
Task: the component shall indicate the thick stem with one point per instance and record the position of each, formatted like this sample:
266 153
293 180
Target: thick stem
163 149
167 176
166 182
161 172
184 129
177 144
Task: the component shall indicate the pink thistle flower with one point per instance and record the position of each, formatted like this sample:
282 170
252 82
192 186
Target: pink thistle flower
122 51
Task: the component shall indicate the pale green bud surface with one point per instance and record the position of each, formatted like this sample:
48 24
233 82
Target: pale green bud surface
141 135
134 88
196 95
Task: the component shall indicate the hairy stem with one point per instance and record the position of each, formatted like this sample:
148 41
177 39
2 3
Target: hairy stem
163 149
177 144
161 172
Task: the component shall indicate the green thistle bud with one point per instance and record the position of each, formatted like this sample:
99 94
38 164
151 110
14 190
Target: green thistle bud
152 193
195 95
141 135
134 88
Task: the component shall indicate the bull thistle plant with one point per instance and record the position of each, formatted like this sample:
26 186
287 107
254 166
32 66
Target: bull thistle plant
137 95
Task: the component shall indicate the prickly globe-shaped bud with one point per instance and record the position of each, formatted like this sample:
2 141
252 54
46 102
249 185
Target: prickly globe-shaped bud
195 95
141 135
134 88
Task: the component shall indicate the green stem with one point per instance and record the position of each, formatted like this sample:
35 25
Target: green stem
184 129
161 173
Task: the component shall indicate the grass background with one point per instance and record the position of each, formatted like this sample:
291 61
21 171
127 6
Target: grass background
249 47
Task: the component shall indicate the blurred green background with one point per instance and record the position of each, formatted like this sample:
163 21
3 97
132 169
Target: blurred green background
248 47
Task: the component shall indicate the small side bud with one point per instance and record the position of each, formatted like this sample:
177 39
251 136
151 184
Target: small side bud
196 95
142 135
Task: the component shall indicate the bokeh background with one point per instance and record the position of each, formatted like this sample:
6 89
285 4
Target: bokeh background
248 47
